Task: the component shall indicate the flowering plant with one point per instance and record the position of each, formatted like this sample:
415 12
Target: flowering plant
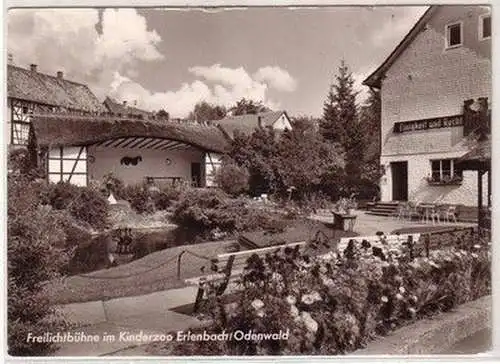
345 204
336 302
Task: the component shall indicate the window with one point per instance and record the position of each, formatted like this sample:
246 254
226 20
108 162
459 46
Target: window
453 35
444 171
20 131
484 26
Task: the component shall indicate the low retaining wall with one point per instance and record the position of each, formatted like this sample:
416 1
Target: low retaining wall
436 335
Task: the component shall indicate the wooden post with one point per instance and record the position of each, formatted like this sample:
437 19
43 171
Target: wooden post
479 195
179 264
489 188
410 245
427 244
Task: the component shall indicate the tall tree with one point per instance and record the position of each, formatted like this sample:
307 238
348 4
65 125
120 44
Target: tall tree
370 119
163 115
247 106
203 111
340 122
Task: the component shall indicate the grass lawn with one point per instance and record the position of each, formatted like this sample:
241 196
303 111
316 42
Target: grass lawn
154 272
158 271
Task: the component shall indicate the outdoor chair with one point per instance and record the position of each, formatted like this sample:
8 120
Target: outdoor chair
450 213
401 212
413 209
435 214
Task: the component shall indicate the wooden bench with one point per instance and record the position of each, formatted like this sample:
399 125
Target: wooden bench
227 267
396 241
174 180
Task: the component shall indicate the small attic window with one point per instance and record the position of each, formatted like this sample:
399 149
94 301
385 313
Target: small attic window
454 35
484 26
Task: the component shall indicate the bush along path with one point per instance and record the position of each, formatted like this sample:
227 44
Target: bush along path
333 304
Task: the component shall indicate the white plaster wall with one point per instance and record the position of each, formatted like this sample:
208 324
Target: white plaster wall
419 167
429 81
282 123
153 163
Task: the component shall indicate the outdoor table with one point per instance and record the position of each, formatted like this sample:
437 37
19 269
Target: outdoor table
339 221
427 211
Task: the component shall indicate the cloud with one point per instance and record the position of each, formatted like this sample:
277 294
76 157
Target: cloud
276 78
105 48
401 21
215 84
69 40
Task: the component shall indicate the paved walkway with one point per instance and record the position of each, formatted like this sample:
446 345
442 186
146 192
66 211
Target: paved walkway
367 224
144 315
152 313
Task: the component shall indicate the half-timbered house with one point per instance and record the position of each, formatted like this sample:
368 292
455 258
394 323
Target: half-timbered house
78 149
30 92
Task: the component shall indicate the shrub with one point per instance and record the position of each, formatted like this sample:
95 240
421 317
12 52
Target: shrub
20 162
334 305
36 253
84 203
232 179
140 197
112 183
204 212
166 197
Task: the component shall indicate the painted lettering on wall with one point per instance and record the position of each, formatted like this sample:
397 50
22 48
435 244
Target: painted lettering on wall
434 123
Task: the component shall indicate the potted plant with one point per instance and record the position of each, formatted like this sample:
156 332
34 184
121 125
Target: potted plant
346 205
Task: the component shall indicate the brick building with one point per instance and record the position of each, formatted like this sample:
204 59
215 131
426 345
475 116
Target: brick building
433 86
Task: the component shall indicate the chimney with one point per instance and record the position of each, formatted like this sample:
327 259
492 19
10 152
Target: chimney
60 74
33 67
10 58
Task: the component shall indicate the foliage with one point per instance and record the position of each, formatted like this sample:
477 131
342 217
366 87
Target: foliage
85 204
210 213
166 196
299 157
340 123
140 197
334 304
111 183
163 115
203 111
370 119
20 162
247 106
232 179
346 203
35 251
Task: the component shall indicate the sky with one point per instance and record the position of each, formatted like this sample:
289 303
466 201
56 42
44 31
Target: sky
172 59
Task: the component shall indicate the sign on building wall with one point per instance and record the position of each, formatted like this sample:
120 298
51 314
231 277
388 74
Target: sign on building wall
434 123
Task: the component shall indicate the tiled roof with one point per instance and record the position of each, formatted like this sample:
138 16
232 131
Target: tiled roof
50 90
64 130
247 123
124 110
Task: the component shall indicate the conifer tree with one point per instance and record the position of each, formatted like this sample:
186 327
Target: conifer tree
340 122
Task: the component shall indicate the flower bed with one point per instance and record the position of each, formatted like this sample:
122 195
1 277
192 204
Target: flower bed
333 304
